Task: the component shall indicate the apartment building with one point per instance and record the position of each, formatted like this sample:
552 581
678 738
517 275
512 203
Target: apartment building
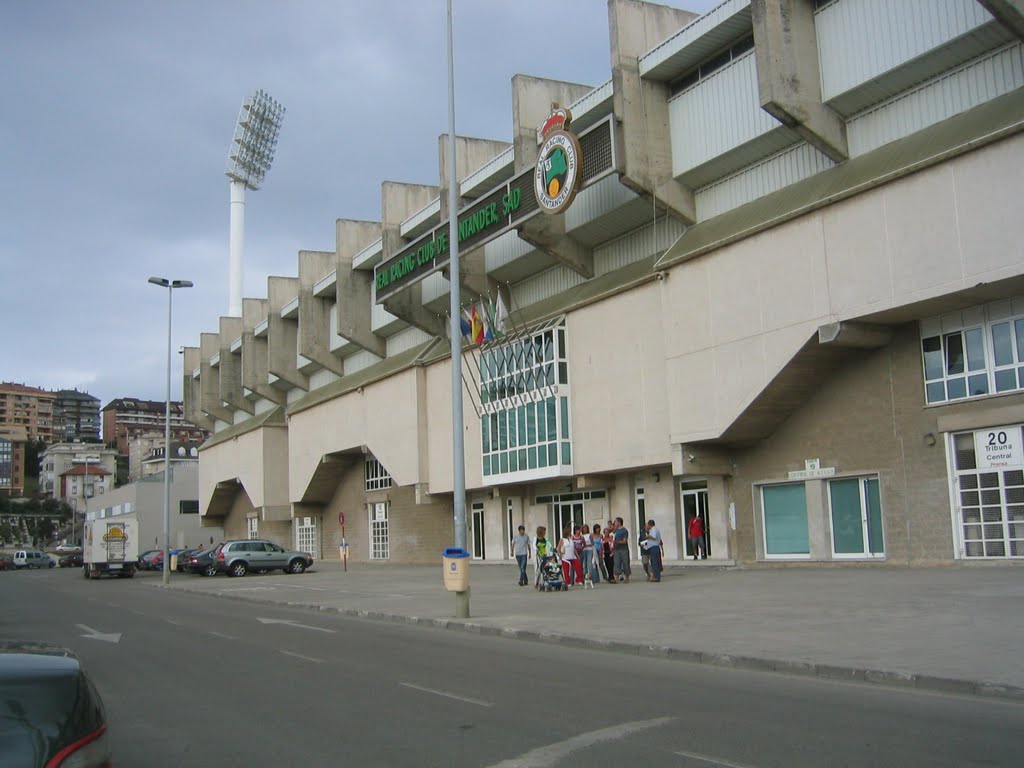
770 274
76 416
126 418
74 472
12 460
29 408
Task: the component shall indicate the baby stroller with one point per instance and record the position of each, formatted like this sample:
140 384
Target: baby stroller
549 576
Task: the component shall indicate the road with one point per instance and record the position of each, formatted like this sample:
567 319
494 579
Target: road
195 680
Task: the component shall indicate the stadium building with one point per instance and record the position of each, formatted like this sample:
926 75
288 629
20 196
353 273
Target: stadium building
770 273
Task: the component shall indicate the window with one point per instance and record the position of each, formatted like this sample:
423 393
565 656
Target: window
988 492
784 516
856 517
376 477
188 507
974 353
524 392
252 527
715 63
379 547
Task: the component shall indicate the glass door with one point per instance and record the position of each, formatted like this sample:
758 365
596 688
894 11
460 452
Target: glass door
306 539
567 513
479 552
856 514
695 504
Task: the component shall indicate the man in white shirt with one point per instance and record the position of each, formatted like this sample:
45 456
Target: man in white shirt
521 550
653 545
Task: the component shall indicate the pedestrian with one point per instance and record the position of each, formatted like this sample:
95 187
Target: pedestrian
620 537
645 558
521 550
696 531
542 550
572 569
591 548
607 555
653 546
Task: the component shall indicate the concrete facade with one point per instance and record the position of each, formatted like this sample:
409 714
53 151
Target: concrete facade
826 369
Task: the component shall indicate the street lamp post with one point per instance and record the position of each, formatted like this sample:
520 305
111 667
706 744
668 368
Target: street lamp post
170 285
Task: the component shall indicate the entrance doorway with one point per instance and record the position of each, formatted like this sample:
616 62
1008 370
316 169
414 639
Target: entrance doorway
567 513
695 504
479 552
306 539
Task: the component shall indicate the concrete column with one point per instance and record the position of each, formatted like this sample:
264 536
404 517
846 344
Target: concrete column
470 154
353 287
210 403
643 136
283 341
255 373
1009 13
532 101
231 366
398 202
315 312
191 390
788 76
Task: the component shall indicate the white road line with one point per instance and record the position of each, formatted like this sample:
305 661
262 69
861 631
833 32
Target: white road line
300 656
404 597
712 760
449 695
172 621
553 754
221 634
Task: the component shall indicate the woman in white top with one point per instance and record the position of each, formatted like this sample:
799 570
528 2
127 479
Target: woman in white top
571 566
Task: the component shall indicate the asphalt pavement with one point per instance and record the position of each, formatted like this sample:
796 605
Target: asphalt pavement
955 629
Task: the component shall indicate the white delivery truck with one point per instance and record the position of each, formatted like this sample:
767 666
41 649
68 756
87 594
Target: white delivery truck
111 547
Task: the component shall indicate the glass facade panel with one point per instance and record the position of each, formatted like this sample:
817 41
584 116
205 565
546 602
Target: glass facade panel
847 525
785 519
524 382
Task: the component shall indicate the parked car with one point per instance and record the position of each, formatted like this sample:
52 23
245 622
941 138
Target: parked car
68 549
7 563
30 558
183 556
56 716
147 557
201 561
236 558
70 561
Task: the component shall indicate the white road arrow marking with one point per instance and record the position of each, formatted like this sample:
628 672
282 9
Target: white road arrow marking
553 754
291 623
95 634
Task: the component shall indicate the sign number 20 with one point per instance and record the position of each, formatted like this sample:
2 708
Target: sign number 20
995 438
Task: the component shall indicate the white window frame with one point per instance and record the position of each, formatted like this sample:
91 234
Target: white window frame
955 490
864 519
379 528
309 532
478 509
375 475
252 527
512 529
983 318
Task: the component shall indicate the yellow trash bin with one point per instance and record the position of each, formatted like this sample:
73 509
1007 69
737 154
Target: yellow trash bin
456 569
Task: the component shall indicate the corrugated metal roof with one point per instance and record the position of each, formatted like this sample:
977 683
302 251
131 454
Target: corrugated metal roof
961 133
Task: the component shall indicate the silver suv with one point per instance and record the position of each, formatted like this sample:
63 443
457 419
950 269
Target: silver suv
239 557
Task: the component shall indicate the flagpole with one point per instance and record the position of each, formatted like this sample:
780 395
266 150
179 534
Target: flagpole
458 436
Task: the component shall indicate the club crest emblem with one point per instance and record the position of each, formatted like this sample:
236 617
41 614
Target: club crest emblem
559 165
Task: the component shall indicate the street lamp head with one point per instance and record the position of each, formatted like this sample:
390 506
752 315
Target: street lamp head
163 282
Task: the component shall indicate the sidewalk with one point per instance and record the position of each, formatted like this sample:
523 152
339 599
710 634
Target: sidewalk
956 629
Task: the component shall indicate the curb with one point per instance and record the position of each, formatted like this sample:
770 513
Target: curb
887 678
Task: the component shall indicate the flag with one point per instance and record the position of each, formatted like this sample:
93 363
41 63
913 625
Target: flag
476 332
487 318
500 316
465 324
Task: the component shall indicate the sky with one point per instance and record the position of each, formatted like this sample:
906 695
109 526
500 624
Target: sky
116 123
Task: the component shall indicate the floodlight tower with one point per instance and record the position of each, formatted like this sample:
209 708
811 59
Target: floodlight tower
249 159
